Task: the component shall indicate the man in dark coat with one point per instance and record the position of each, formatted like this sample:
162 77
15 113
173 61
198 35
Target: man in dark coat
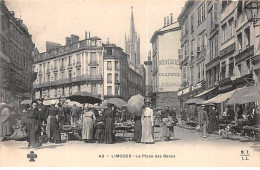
230 113
42 109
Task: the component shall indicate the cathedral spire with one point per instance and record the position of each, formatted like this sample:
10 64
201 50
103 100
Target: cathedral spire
132 27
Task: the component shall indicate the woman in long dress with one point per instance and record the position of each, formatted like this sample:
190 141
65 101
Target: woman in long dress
5 126
212 127
88 118
109 120
147 124
33 126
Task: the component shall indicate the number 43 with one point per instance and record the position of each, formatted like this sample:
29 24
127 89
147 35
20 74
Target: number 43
101 155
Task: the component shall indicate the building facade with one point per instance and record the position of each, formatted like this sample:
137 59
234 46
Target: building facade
16 72
228 50
64 70
165 65
193 21
84 65
132 44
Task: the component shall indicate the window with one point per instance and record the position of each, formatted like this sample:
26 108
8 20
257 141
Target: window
212 23
248 64
216 46
239 7
93 58
192 23
184 73
109 90
239 39
48 78
55 92
204 40
211 50
231 28
192 48
199 72
63 91
69 61
70 75
247 40
55 64
198 43
201 13
116 78
109 65
109 78
78 72
109 51
224 33
116 65
191 74
117 90
231 67
55 76
70 90
239 66
223 70
93 88
202 70
93 71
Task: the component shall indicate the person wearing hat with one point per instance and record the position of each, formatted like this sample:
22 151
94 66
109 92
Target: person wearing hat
147 124
168 128
53 128
33 126
202 120
109 121
42 108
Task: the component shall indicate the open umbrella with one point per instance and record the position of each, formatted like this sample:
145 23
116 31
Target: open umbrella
85 97
245 95
135 103
27 101
116 101
194 101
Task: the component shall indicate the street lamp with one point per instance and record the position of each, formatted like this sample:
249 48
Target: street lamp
252 11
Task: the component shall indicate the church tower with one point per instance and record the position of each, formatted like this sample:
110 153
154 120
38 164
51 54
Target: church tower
132 45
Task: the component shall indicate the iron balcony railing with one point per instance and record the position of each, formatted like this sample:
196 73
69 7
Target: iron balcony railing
69 80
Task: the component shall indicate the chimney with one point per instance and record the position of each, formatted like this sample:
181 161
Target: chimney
107 40
171 18
167 20
89 34
86 35
68 41
164 22
74 38
149 55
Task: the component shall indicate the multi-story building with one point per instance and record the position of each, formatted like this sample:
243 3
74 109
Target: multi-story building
132 45
165 65
64 70
84 65
16 72
193 21
229 55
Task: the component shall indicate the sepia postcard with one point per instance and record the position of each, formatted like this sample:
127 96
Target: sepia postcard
130 83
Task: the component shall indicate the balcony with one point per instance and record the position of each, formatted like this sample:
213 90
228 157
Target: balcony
93 63
69 80
117 82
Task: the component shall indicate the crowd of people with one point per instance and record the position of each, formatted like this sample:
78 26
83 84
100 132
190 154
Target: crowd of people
208 117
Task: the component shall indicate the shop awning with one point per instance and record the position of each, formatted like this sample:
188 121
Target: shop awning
205 92
220 98
194 101
245 95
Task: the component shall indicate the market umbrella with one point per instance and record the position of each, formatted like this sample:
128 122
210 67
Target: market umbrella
245 95
9 106
116 101
135 103
194 101
85 97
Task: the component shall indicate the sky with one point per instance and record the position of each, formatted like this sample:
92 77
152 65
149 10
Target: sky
53 20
